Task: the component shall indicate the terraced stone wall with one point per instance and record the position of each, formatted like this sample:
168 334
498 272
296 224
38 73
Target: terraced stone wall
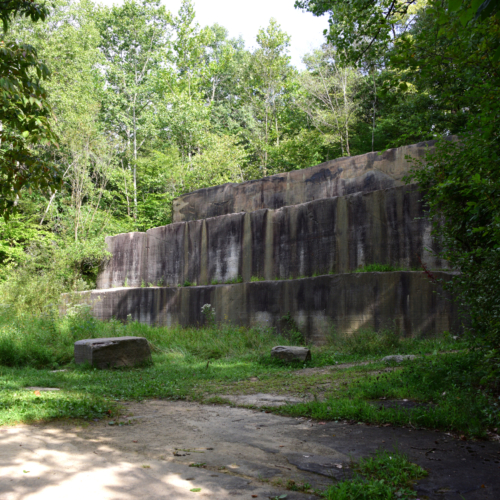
327 236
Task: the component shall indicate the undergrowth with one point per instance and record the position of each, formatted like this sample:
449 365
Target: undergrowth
445 391
387 475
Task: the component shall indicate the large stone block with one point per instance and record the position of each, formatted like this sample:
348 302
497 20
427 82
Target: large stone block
407 302
333 235
291 353
363 173
112 352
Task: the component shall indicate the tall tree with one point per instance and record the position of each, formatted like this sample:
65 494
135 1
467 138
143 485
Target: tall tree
268 76
135 37
328 95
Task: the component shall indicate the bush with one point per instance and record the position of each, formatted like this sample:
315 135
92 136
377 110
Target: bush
461 182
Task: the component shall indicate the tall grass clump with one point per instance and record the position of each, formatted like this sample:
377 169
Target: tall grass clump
368 342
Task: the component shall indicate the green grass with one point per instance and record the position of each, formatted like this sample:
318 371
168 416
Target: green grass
379 268
447 386
206 364
387 475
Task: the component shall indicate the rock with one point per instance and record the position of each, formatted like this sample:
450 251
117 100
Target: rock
42 389
112 352
398 358
291 353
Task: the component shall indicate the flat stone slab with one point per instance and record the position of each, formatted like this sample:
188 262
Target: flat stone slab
398 358
291 353
112 352
42 389
261 399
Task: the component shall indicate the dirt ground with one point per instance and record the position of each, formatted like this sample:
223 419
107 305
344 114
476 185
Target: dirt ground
166 449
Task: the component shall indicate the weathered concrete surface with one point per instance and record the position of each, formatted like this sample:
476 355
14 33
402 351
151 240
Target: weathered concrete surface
333 235
405 301
291 353
112 352
363 173
245 453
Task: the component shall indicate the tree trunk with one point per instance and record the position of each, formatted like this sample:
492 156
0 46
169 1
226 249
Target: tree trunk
135 166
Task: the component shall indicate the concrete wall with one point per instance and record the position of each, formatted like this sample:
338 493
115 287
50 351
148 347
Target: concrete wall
405 301
363 173
333 235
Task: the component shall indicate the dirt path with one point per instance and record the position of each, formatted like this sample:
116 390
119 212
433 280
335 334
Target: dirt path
245 454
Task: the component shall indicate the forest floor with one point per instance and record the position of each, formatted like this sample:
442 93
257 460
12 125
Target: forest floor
239 447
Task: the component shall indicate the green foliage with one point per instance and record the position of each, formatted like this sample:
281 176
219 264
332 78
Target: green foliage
368 342
462 185
387 475
446 388
24 111
377 268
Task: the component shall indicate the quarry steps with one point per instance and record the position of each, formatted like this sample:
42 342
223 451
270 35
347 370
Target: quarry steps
331 235
405 301
285 247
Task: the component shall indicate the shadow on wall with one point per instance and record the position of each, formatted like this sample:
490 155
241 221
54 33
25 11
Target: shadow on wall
404 300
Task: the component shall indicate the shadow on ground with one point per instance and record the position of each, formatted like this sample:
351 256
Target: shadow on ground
237 453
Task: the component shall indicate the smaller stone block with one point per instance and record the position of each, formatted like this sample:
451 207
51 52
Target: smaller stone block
291 353
112 352
398 358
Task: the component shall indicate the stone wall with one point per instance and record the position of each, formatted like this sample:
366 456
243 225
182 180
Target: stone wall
408 302
333 235
343 176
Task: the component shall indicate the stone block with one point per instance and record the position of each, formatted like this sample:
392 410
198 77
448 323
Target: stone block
339 177
398 358
112 352
291 353
404 301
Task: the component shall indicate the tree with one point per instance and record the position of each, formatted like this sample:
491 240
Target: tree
24 111
268 76
328 95
134 43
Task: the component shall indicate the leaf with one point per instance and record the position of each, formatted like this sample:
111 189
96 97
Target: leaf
454 5
37 393
195 490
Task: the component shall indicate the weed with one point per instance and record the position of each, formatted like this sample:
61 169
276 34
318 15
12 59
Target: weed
125 282
445 389
187 283
294 486
143 284
368 342
290 329
254 279
379 268
204 364
232 281
215 282
161 282
387 475
209 314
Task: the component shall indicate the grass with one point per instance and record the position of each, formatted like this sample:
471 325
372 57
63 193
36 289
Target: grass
206 364
446 390
379 268
387 475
